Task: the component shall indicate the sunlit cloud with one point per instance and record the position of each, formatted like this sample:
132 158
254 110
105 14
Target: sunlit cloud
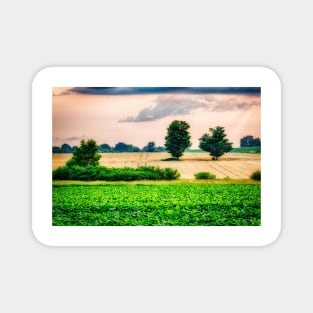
176 105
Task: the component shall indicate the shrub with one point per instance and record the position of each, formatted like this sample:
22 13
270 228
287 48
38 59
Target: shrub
61 173
89 173
256 175
85 155
205 175
170 173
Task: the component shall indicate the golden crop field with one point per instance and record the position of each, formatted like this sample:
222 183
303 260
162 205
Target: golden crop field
233 165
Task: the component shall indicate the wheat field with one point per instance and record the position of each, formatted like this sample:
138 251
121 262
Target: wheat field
232 165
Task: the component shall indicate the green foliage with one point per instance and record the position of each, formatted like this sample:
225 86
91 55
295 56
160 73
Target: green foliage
250 141
195 150
246 150
157 205
90 173
104 148
123 147
86 154
56 149
65 148
150 147
119 147
159 149
216 143
256 175
177 139
205 175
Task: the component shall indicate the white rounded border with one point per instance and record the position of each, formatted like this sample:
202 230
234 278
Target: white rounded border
156 77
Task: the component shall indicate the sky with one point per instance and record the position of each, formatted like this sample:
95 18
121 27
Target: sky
137 115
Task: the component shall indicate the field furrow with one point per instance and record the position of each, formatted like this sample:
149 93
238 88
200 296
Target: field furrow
233 165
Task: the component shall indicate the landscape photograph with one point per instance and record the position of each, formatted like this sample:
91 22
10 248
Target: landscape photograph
156 156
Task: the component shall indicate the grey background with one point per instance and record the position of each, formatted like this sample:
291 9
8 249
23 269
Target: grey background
36 34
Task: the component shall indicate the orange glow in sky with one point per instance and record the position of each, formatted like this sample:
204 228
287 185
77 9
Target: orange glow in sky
139 118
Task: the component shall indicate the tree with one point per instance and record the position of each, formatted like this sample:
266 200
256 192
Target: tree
177 138
159 149
257 142
120 147
105 148
216 143
250 141
131 148
56 149
123 147
86 154
65 148
150 147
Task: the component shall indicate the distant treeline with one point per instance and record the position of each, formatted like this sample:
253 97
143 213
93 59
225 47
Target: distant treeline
119 147
247 141
250 141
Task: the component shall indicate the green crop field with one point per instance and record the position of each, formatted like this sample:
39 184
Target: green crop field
247 150
157 205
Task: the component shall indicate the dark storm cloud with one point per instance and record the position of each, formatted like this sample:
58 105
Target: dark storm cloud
174 105
157 90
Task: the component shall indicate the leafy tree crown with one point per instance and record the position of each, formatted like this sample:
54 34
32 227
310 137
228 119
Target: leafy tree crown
177 138
86 154
215 142
250 141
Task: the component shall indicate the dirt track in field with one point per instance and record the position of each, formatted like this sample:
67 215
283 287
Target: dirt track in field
233 165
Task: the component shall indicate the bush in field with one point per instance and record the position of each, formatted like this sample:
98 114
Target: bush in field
205 175
86 154
256 175
89 173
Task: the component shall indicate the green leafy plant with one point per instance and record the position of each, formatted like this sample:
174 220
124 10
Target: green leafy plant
256 175
90 173
205 175
122 204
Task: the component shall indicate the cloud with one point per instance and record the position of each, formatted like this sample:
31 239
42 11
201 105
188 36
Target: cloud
230 104
74 138
166 106
64 93
161 90
173 105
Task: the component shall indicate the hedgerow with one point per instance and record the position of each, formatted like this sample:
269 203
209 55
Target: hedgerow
89 173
